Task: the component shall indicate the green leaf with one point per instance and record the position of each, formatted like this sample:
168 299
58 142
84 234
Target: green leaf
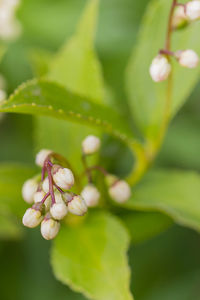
147 99
77 68
46 98
91 258
175 193
143 226
12 177
76 65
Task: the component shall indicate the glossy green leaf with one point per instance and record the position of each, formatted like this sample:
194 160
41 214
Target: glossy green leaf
76 66
12 177
46 98
175 193
91 258
147 99
143 226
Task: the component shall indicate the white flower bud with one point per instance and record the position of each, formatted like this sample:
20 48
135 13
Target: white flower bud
193 10
91 144
179 18
58 210
120 191
38 196
187 58
45 185
32 218
41 156
28 190
77 206
49 228
160 68
90 195
63 177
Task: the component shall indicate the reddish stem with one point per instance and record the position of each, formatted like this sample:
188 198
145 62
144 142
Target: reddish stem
169 28
100 169
50 184
58 188
45 197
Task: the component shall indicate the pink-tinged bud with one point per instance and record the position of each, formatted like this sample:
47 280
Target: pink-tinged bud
91 144
187 58
90 195
120 191
193 10
63 177
77 206
28 190
49 228
160 68
32 218
41 157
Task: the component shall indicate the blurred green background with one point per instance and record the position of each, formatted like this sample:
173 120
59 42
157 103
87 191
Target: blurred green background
166 267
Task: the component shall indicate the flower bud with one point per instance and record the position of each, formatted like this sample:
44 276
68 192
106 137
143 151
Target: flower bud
179 18
63 177
187 58
77 206
41 157
193 10
38 196
49 228
90 195
120 191
59 209
28 190
32 217
45 185
160 68
91 144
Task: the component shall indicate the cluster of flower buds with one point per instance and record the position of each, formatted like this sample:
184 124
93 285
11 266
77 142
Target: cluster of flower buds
9 25
161 67
51 196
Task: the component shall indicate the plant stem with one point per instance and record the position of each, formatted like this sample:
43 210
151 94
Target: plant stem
48 167
145 155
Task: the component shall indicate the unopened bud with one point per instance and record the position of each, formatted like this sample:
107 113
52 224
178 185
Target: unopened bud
49 228
90 195
41 157
38 196
28 190
32 217
77 206
120 191
63 177
179 18
45 185
160 68
193 10
59 209
91 144
187 58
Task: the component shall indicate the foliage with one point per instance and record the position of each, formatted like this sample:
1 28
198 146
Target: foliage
79 89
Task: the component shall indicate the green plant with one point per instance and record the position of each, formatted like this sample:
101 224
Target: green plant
69 101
